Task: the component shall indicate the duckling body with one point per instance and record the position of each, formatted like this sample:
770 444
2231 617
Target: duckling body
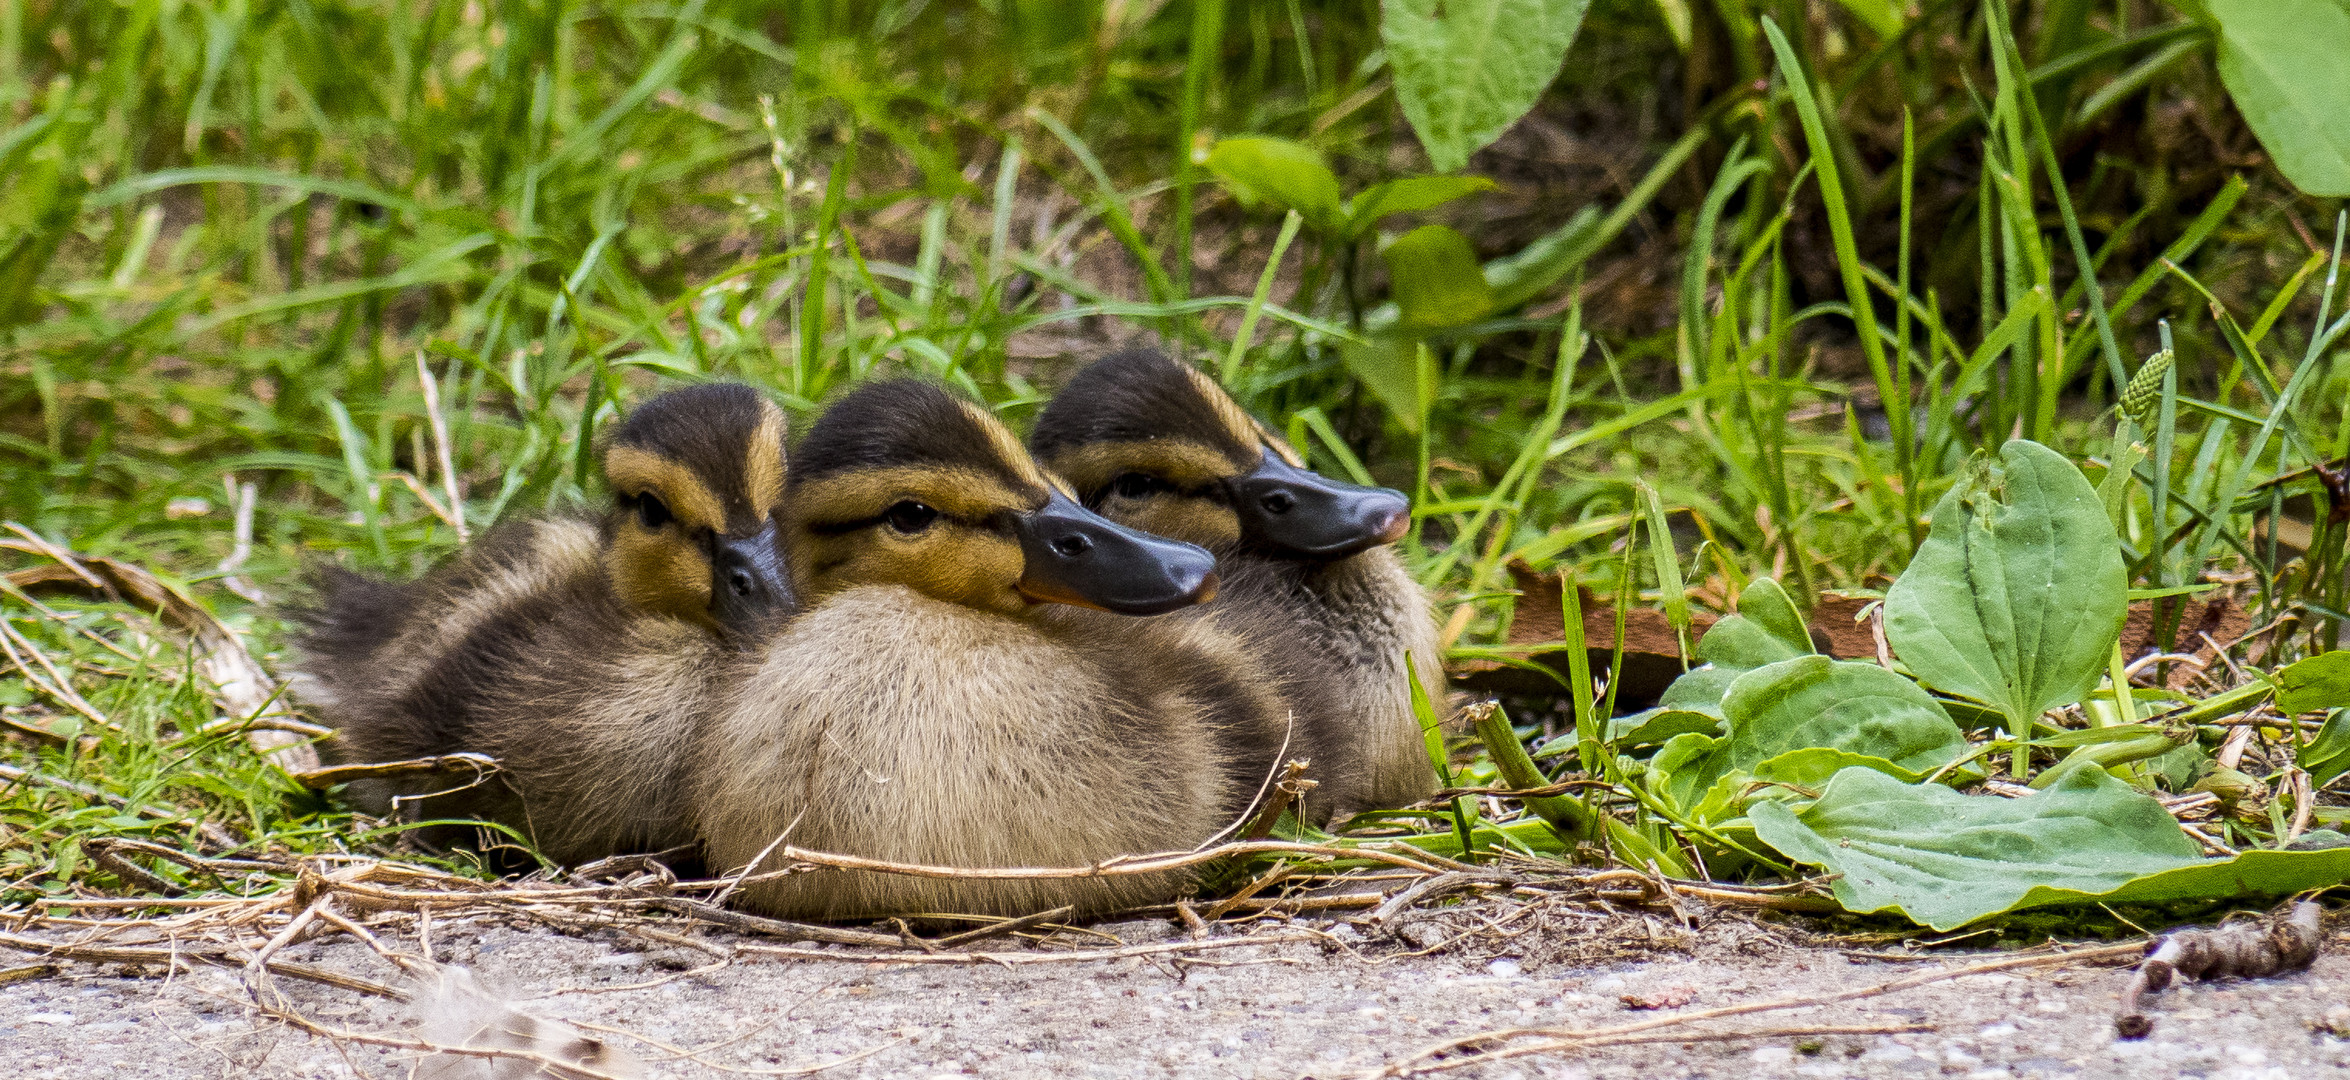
579 653
985 741
1309 582
930 708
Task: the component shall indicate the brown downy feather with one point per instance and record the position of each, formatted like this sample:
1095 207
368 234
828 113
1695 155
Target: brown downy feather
518 649
1155 444
1338 634
890 725
453 1010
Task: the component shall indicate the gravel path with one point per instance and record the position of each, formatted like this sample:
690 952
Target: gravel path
1276 1011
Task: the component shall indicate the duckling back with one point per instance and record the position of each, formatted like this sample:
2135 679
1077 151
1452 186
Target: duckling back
893 726
517 649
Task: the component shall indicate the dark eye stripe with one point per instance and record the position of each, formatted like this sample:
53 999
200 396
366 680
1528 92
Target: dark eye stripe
1159 485
843 528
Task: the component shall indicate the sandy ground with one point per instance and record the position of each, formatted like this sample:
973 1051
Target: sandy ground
1326 1008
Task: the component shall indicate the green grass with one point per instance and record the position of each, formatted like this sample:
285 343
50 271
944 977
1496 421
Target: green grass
237 239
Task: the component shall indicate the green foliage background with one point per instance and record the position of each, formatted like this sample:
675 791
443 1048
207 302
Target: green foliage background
240 238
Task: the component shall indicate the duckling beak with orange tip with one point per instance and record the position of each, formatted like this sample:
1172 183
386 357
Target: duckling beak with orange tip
1302 513
1075 556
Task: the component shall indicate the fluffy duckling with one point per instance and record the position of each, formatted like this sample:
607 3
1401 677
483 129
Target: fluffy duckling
577 651
939 702
1308 579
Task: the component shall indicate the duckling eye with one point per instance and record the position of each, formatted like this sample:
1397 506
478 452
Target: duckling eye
1135 485
651 512
909 517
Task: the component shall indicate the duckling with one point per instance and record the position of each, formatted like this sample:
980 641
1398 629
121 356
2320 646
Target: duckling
577 651
939 702
1308 579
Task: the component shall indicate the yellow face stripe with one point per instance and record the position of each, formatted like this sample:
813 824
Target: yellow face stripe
635 471
659 572
948 561
763 461
1237 423
1009 451
1093 466
1280 447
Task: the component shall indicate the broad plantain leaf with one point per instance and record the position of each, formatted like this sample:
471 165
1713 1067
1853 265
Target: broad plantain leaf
1682 772
2282 62
2018 594
1406 195
2320 682
1658 725
1436 280
1465 70
1945 859
1807 703
1795 777
1813 767
1815 701
1260 168
1766 630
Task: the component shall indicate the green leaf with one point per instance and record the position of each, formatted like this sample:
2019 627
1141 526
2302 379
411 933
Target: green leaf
1945 859
2282 61
1766 630
1816 701
1658 725
1465 70
2320 682
1436 280
2328 755
1389 368
1813 767
1882 16
1806 703
1675 14
2018 593
1406 195
1689 764
1290 175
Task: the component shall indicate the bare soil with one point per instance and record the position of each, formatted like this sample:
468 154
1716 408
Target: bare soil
1349 1002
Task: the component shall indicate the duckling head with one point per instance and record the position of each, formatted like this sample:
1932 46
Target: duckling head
1156 444
901 483
698 480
